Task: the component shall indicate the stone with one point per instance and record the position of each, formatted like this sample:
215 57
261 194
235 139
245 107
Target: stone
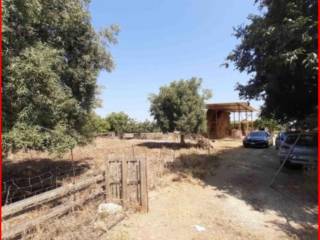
109 208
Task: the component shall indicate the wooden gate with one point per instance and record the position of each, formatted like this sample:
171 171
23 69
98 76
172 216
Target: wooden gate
126 183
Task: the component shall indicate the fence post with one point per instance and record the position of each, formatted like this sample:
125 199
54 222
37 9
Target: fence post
106 179
124 179
143 186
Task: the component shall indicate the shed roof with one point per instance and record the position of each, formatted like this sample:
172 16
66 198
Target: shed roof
231 107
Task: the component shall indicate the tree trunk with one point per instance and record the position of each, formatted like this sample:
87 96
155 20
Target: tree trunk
182 142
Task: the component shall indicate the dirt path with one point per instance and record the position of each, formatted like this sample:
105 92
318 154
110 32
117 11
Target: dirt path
235 202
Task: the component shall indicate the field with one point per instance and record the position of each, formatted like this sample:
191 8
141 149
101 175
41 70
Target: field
224 189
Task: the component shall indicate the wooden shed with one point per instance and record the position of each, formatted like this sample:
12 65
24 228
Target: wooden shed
220 116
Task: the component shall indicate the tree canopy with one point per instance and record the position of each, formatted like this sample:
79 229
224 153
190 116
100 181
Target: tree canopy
121 123
97 125
51 58
263 123
180 106
278 49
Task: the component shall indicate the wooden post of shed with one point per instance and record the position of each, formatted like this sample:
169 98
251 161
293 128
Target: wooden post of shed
239 118
216 131
251 121
234 120
247 122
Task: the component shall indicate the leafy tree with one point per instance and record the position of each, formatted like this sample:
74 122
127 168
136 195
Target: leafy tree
263 123
279 50
51 59
180 107
119 122
97 125
148 126
143 127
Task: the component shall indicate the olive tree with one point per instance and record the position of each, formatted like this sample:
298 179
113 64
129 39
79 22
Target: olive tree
51 59
180 107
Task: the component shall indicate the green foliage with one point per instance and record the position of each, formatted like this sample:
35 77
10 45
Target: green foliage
279 50
263 123
147 126
122 123
51 59
180 106
119 122
97 125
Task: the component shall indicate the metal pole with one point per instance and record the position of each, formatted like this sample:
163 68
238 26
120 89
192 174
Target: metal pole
239 118
234 119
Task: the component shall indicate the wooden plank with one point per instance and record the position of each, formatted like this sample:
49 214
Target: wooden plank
131 182
117 219
124 179
55 212
147 190
143 186
138 182
119 161
23 205
107 181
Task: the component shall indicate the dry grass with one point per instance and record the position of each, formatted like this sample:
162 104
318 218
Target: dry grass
166 162
78 224
157 153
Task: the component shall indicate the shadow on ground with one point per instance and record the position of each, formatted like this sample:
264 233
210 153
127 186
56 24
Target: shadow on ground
25 178
246 175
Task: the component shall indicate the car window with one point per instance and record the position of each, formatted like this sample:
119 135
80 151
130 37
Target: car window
257 134
308 141
305 140
291 138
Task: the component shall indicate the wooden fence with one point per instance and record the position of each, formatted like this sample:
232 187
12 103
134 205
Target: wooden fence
127 182
123 181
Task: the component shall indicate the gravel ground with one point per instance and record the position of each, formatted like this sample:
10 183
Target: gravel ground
234 202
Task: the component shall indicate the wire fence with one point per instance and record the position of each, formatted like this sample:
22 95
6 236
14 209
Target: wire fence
15 189
159 156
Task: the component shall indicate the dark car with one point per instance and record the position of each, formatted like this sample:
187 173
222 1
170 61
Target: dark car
258 139
281 137
303 153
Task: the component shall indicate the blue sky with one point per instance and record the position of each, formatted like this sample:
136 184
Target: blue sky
165 40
